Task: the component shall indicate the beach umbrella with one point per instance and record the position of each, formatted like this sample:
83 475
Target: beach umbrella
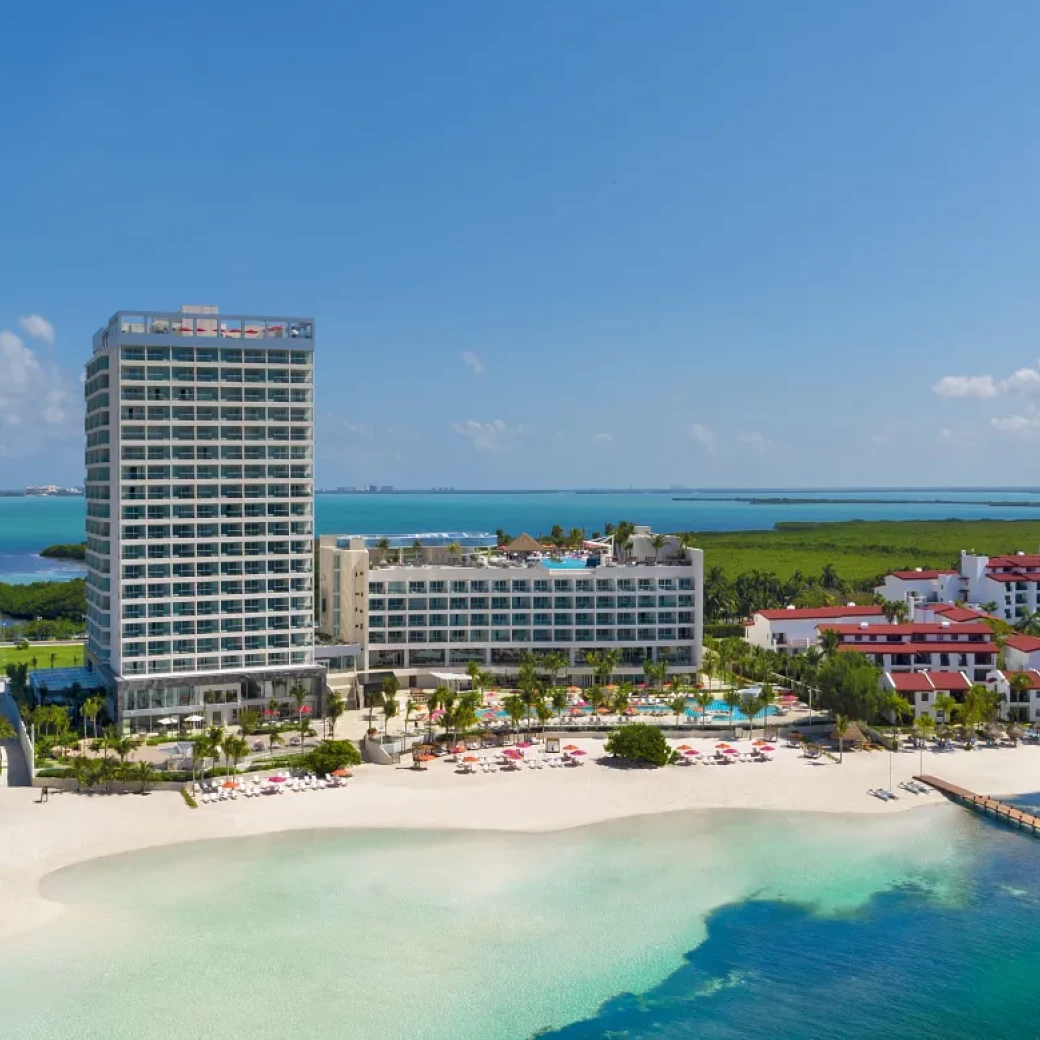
341 772
229 784
766 747
689 752
577 751
471 758
195 718
720 747
570 747
684 747
526 743
458 749
276 779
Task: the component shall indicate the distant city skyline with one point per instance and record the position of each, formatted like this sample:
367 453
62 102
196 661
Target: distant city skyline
553 245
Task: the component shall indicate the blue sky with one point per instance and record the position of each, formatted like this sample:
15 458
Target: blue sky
549 244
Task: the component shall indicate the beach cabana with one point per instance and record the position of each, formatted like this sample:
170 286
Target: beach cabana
552 743
524 544
853 735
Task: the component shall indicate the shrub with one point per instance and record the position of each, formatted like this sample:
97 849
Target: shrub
640 742
189 799
330 755
57 772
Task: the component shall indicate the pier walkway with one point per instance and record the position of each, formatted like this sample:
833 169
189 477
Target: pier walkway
982 803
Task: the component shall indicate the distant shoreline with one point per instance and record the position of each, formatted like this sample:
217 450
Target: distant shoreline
996 503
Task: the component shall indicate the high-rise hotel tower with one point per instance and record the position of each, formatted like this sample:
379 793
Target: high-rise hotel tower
200 513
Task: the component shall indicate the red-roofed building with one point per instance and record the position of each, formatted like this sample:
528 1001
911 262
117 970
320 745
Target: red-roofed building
921 647
1022 653
922 688
793 629
1023 705
1008 584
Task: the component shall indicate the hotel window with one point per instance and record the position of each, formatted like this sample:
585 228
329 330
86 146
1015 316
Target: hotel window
460 586
562 585
500 586
541 585
521 585
478 586
416 586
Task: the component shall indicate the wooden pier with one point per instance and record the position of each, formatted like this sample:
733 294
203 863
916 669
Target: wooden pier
981 803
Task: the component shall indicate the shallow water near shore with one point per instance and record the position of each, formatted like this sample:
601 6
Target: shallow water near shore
712 923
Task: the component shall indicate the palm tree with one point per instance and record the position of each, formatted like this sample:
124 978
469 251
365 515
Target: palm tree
576 538
515 709
91 709
143 773
390 709
234 749
733 702
687 539
554 662
657 543
621 699
335 706
274 736
391 684
944 705
678 706
841 727
410 705
384 545
544 712
766 699
594 696
207 745
829 577
454 551
704 699
6 729
1019 692
559 701
829 642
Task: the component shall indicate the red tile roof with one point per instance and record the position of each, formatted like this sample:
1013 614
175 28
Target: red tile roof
1031 674
1016 576
1027 644
919 648
913 628
920 575
922 682
1030 560
820 612
952 612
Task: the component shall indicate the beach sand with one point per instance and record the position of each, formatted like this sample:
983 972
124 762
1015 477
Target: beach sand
70 827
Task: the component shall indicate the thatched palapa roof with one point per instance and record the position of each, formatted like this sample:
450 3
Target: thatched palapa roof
524 544
853 734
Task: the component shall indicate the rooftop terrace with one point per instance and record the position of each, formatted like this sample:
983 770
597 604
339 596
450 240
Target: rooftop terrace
200 323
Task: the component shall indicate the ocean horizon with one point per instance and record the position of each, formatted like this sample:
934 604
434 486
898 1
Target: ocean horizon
28 525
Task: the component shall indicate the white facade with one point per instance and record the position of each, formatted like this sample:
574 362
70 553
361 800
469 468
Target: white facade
794 629
200 509
430 616
1011 582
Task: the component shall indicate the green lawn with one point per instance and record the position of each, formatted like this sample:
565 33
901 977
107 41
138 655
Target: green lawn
861 549
64 656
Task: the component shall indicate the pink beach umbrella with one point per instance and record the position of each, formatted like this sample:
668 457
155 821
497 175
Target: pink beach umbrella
576 752
276 779
690 753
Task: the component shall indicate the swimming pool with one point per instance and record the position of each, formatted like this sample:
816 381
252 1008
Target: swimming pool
721 708
570 563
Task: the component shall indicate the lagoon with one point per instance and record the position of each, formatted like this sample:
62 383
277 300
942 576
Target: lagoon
678 925
29 524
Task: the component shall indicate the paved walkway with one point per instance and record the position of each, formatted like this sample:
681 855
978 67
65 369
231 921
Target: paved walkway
17 772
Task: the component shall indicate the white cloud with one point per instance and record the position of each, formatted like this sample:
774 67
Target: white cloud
1017 425
486 436
603 440
31 393
1025 381
38 327
879 439
473 362
703 436
965 386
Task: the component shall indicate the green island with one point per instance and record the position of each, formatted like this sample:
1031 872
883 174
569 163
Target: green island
66 551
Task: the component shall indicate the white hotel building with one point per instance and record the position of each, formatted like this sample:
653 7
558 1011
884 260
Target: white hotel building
200 512
425 619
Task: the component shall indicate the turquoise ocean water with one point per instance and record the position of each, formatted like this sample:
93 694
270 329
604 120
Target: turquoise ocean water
29 524
923 924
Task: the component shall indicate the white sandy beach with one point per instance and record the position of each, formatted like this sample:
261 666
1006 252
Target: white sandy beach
69 828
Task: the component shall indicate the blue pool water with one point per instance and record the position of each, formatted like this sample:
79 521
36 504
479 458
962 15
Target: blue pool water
565 565
721 708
